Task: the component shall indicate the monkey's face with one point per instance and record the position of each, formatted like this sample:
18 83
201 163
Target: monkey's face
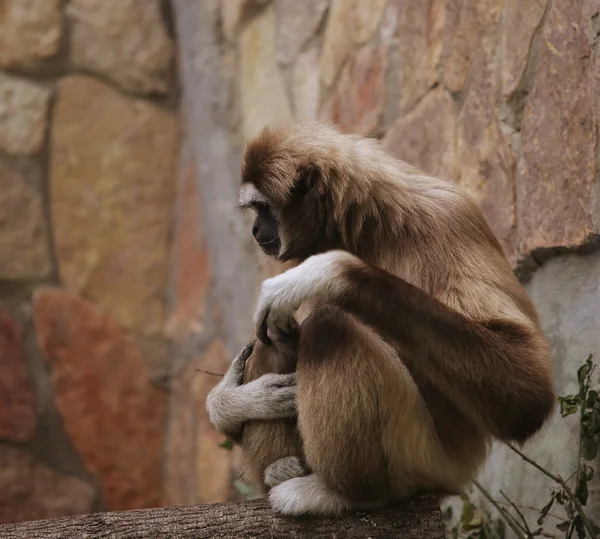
282 181
266 229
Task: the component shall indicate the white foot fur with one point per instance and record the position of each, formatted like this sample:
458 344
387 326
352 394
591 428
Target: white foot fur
307 495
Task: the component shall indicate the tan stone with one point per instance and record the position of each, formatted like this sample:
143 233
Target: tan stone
17 405
124 40
425 137
263 93
24 230
419 35
557 185
23 115
296 23
306 85
350 22
29 490
112 194
520 21
112 413
365 18
357 102
233 12
214 463
30 31
466 26
484 159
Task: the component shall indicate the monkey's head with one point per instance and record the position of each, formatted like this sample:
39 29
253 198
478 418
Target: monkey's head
298 180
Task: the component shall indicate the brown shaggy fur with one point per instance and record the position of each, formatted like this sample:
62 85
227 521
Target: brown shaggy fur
428 349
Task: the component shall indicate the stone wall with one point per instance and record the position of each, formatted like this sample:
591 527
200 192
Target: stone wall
125 271
89 145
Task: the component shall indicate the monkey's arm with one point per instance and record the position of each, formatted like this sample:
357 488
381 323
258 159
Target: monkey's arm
231 403
495 371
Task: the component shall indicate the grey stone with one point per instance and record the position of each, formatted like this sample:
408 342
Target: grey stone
566 292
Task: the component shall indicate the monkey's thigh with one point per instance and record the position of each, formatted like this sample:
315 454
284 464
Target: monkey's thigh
351 386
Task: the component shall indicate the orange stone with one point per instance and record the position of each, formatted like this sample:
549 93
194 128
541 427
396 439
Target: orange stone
17 406
29 490
112 413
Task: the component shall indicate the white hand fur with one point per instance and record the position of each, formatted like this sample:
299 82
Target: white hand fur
282 295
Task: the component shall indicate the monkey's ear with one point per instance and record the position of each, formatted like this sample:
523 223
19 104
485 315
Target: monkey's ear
307 178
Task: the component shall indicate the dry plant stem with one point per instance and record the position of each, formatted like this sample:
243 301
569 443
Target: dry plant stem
510 520
525 525
558 479
530 508
210 373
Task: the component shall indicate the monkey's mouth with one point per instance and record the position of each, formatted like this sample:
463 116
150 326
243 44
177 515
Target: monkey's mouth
270 247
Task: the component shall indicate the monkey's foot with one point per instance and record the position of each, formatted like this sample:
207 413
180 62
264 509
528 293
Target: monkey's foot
284 469
307 495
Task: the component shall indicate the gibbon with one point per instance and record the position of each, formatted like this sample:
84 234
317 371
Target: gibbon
399 346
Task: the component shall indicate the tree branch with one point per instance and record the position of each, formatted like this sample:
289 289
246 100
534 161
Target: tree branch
417 518
558 479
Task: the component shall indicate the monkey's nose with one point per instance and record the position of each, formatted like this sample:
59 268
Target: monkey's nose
255 231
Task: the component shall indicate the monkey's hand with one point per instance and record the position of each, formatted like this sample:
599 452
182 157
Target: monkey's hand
231 403
282 295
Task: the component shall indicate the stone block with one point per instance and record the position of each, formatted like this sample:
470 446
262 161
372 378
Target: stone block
425 137
30 31
557 185
191 271
24 229
23 115
112 192
484 159
295 23
123 40
357 102
520 22
112 413
306 84
17 404
467 24
263 94
30 490
350 22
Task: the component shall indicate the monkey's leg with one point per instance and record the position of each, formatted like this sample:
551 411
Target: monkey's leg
496 371
356 401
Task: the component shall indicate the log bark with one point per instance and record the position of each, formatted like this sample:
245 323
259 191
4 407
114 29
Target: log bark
418 518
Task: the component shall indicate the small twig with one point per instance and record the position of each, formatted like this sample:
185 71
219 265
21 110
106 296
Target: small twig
525 525
209 372
558 479
510 520
536 509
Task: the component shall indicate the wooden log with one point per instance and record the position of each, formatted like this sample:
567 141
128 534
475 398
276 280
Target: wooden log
419 518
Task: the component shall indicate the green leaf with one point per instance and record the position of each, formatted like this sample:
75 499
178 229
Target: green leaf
246 491
467 511
569 404
581 491
580 527
563 526
544 511
226 444
589 448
